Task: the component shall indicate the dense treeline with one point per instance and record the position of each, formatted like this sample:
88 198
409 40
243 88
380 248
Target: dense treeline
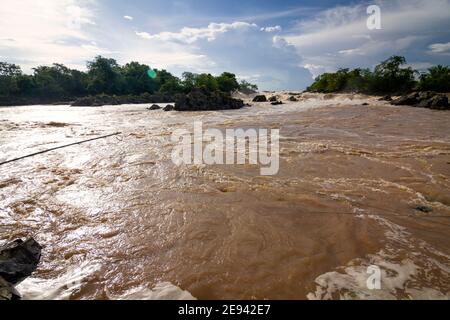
105 77
389 77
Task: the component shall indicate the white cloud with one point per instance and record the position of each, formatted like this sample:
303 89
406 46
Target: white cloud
271 29
46 31
128 18
339 37
440 47
191 35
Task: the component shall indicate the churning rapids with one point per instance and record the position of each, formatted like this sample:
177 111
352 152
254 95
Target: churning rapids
357 186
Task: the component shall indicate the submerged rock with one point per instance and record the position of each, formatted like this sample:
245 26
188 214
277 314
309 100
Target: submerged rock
293 99
204 100
424 209
260 98
276 103
18 260
273 99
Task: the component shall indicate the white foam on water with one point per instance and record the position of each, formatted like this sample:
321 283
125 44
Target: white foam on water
162 291
64 286
408 278
60 288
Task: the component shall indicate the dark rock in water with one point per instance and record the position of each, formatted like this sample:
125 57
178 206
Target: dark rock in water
365 104
103 99
426 99
204 100
273 99
169 108
439 102
18 260
385 98
260 98
424 209
293 99
7 291
96 101
154 107
276 103
407 100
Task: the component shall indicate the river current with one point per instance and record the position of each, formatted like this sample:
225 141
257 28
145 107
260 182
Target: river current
358 186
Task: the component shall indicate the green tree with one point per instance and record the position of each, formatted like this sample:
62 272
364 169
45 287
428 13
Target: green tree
172 86
104 76
54 81
436 79
247 87
391 77
137 80
227 82
207 82
8 78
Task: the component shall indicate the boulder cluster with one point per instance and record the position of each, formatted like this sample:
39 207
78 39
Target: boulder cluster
426 99
18 260
273 100
103 100
204 100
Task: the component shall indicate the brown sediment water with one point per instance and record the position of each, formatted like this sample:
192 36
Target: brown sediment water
357 186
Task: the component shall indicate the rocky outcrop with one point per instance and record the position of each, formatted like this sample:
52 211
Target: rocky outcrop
204 100
293 99
154 107
427 99
385 98
260 98
168 108
18 260
103 100
273 99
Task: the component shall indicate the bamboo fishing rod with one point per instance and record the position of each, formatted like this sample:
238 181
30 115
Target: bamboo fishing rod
60 147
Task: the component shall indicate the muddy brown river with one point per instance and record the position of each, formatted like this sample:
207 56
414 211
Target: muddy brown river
358 186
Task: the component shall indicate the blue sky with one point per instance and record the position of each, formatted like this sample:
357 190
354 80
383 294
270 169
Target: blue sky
276 44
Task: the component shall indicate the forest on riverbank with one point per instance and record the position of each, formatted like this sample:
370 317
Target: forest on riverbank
391 76
133 83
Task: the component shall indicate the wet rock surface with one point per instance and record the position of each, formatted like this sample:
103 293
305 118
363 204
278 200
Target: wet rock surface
203 100
103 100
260 98
427 99
18 260
154 107
169 107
